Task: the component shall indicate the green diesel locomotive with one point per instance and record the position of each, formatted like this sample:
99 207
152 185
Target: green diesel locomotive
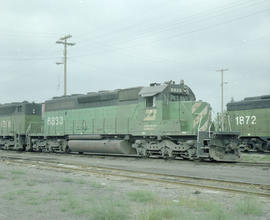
251 117
163 120
17 120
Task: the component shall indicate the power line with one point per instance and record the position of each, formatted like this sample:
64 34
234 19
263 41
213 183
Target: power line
142 35
113 48
184 33
145 28
199 20
29 58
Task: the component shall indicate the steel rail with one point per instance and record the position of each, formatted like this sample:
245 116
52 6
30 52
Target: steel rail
256 152
250 163
237 163
245 163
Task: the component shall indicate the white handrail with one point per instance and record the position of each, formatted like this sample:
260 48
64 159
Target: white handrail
28 129
229 122
209 129
198 136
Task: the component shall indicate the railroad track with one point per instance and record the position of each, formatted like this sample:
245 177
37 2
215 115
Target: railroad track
104 156
256 152
190 181
246 163
240 163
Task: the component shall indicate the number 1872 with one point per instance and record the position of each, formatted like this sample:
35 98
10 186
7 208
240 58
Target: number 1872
245 120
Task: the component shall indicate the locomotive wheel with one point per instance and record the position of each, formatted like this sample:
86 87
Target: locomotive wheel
146 154
219 154
216 153
166 152
67 150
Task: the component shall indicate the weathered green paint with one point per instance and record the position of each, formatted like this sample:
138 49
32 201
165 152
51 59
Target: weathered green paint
253 122
19 124
174 118
17 120
162 119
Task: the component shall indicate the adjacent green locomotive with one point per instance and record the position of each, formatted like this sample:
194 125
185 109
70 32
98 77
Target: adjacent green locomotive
16 121
251 117
162 119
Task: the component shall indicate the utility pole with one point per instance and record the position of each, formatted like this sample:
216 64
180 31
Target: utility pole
222 109
63 40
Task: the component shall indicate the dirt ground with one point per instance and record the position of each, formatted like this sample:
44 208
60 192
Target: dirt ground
221 171
34 193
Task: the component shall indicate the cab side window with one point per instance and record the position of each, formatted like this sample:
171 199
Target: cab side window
19 108
150 101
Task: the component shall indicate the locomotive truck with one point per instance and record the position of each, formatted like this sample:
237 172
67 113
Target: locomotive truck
251 117
163 120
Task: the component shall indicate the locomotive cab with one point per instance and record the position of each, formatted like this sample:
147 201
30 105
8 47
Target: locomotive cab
168 105
180 92
169 90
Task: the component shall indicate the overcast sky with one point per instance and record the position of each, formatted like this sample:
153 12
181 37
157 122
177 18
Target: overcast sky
127 43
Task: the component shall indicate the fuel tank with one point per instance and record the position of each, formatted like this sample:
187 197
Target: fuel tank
101 146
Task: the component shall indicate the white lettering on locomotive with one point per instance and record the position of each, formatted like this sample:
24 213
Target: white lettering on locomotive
246 120
55 121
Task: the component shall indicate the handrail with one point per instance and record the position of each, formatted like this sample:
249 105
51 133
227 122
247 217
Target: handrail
229 122
209 130
199 126
28 129
198 136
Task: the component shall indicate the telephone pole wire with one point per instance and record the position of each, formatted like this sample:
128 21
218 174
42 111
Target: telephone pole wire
63 40
222 109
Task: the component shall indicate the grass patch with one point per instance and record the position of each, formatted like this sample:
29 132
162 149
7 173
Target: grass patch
218 214
66 192
265 158
97 185
17 172
33 200
110 210
209 209
141 196
31 183
198 204
68 180
70 204
2 176
159 213
185 209
52 196
9 196
255 158
17 183
82 181
169 211
22 193
249 206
